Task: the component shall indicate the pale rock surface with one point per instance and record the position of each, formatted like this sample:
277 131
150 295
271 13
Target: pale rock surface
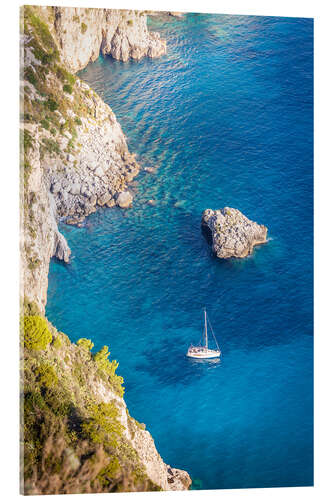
231 233
124 199
123 34
159 472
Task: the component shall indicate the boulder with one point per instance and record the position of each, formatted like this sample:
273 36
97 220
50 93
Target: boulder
99 171
102 200
124 199
111 203
231 233
75 189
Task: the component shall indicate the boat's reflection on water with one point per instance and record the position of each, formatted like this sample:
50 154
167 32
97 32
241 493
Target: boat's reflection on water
207 361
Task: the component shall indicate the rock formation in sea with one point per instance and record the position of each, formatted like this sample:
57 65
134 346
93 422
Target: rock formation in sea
231 233
74 158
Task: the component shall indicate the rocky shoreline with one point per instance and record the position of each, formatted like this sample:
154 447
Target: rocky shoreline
231 234
74 159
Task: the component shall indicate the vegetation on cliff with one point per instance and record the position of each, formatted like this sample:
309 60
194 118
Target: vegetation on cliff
73 438
76 433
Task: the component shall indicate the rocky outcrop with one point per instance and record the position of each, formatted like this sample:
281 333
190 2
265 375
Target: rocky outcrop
231 233
123 34
99 166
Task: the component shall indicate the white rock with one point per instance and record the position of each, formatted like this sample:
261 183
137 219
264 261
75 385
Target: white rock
124 199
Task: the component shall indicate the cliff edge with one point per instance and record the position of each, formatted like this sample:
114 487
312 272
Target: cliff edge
77 434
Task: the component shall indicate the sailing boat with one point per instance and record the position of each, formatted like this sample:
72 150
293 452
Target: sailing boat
203 352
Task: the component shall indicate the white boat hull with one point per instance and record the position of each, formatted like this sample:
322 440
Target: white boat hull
203 351
207 354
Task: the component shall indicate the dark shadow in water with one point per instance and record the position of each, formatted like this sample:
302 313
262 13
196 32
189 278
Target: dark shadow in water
66 265
169 361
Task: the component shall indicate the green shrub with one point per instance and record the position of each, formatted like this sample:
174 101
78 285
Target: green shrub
46 375
56 343
51 146
102 425
45 124
109 368
51 104
130 22
33 262
36 332
30 75
85 344
78 120
41 31
109 472
102 359
84 28
77 369
68 88
27 140
65 75
76 19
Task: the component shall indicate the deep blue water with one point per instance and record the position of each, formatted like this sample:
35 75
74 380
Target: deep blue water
227 117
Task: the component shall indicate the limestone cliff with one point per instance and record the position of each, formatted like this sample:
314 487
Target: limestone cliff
84 33
74 157
75 153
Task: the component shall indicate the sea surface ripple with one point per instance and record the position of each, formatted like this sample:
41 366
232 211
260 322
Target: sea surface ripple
227 116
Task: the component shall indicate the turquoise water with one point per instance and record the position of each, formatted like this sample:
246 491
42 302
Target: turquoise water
226 116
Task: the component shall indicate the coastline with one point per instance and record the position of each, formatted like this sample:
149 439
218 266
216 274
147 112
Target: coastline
74 158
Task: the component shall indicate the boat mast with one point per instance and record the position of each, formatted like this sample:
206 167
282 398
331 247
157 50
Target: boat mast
206 329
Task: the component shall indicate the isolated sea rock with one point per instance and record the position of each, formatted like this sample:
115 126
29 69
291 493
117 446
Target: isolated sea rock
124 199
231 233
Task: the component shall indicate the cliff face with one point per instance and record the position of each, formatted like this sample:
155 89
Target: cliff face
84 33
74 157
78 434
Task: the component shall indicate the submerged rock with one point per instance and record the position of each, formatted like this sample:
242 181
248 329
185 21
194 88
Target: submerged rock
124 199
150 170
231 233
